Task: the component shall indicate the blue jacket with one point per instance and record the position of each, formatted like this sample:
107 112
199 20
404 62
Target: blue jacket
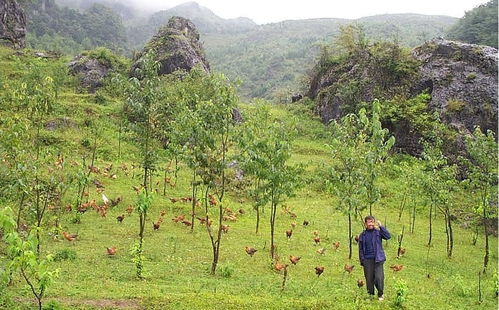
380 234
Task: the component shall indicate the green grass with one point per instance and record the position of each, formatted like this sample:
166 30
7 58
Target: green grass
178 261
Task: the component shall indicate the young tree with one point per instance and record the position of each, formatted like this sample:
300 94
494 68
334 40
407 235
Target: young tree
347 175
438 181
482 177
23 257
265 155
143 98
202 106
378 144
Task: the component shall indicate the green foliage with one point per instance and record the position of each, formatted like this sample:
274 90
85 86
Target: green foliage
108 58
478 26
455 105
462 288
22 257
65 254
137 253
70 31
226 270
401 291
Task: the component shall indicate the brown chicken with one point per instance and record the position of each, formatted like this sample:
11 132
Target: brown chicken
187 223
129 209
289 233
319 270
279 266
120 218
305 223
178 218
174 200
111 251
162 213
293 225
317 240
156 225
294 259
321 251
402 251
336 245
396 267
69 237
241 211
348 268
250 251
225 228
360 283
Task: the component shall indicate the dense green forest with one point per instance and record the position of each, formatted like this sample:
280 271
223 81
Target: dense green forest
71 31
478 26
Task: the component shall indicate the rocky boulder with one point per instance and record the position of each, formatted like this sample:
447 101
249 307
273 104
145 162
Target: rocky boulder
90 71
462 81
177 47
12 24
460 78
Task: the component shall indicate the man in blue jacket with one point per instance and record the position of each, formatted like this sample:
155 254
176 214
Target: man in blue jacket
371 254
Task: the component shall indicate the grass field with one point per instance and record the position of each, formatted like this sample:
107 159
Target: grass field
178 261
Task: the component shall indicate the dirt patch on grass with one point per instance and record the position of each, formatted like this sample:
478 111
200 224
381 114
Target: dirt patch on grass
102 303
91 303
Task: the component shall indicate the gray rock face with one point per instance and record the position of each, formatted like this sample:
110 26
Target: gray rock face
90 71
12 24
462 81
177 46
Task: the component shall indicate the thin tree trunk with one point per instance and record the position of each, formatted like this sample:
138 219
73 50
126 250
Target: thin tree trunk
486 257
349 235
430 226
18 222
402 206
451 236
193 212
413 218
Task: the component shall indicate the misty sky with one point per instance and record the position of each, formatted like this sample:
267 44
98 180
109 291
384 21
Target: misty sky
267 11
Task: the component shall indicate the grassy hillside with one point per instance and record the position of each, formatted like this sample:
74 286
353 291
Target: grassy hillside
178 261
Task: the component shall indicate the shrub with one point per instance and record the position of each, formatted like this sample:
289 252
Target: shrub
65 254
455 105
226 271
402 291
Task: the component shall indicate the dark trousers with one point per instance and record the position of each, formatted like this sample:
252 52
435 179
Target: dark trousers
374 276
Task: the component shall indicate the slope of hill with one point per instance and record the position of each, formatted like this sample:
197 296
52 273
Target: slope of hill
177 260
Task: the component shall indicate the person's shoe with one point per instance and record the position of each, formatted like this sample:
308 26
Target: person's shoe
381 298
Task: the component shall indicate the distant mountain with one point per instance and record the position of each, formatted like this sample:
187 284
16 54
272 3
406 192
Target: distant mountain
271 60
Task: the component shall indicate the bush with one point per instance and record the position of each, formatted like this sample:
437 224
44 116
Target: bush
226 271
455 105
401 290
65 254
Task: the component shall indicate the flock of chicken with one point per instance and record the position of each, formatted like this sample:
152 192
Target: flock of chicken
230 215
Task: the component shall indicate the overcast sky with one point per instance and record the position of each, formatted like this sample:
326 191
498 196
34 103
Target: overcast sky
267 11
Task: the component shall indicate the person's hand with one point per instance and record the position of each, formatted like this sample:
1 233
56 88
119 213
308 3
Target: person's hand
377 224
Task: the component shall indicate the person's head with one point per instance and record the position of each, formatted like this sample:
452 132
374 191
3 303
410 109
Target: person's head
369 222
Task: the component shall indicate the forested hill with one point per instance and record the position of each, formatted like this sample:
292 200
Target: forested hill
269 59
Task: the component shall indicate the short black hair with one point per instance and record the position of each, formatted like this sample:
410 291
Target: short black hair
369 217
